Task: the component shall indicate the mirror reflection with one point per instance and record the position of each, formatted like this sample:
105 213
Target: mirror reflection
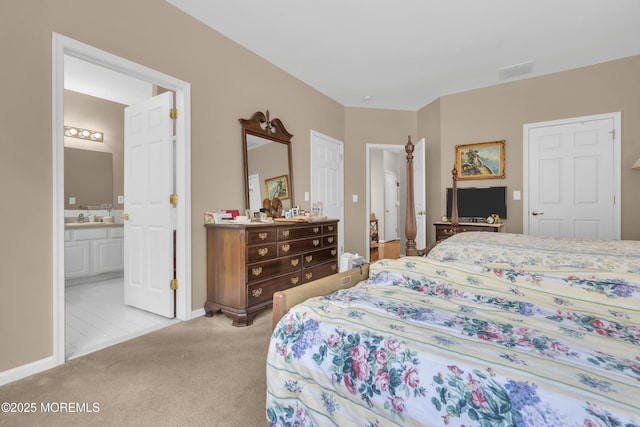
268 167
88 177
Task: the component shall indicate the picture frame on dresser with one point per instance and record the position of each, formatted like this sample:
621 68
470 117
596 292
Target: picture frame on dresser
483 160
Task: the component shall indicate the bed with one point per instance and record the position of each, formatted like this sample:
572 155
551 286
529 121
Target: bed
489 329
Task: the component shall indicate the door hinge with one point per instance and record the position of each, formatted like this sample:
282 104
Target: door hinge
613 134
173 113
174 284
173 199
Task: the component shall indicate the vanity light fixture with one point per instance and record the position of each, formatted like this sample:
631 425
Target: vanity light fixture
91 135
636 165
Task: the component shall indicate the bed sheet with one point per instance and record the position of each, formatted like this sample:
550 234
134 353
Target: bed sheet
425 342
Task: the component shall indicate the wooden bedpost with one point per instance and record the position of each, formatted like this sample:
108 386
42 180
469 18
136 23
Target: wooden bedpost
454 198
410 228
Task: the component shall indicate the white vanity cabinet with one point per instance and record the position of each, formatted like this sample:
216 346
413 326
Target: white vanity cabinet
92 251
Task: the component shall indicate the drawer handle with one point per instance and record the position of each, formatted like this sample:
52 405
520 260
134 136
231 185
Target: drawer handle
316 230
316 242
285 233
263 251
330 240
333 267
285 248
294 280
262 236
330 228
333 252
447 230
308 258
256 292
308 276
294 262
257 271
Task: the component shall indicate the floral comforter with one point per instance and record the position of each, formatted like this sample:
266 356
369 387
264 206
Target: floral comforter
520 250
429 343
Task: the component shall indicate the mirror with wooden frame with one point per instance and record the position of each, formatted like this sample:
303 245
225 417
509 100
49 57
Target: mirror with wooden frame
268 169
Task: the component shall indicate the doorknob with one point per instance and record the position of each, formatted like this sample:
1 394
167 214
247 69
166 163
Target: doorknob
537 213
125 217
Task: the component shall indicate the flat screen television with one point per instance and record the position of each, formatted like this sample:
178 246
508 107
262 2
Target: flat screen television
479 202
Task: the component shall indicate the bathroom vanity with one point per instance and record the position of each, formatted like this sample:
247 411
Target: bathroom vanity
93 251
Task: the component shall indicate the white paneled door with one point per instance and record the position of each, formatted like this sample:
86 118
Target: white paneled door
148 225
327 179
573 178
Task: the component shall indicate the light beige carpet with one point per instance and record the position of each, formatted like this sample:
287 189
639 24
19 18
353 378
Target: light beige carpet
203 372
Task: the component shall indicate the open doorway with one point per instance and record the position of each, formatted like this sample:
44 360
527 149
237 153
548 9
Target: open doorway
386 176
67 48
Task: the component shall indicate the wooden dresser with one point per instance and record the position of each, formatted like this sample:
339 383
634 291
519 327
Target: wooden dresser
445 229
247 263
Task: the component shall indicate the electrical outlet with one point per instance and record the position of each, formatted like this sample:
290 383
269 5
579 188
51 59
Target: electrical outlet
72 200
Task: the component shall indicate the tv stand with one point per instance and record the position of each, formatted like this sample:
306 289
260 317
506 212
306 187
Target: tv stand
445 230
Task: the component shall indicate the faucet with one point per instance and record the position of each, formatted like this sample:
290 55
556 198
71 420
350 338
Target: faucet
80 217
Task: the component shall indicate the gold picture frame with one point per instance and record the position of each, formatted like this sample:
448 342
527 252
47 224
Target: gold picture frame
484 160
277 186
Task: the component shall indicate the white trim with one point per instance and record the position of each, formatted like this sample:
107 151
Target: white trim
617 159
29 369
313 138
62 46
369 147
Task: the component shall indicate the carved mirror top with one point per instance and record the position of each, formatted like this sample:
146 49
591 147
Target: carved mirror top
267 161
260 124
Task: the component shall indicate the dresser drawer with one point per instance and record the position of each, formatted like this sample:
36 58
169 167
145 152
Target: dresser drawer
319 271
299 232
256 237
263 291
317 257
264 270
262 252
291 247
329 240
330 229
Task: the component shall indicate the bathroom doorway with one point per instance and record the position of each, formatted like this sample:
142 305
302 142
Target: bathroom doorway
65 48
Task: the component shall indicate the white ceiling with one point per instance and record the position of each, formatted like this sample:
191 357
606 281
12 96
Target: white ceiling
406 53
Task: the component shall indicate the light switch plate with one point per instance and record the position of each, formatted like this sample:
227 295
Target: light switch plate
306 196
120 199
72 200
517 195
355 198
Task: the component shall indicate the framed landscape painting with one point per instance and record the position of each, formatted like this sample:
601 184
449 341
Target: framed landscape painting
278 187
484 160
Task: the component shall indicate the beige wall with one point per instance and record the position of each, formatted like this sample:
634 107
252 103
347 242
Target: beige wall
499 112
229 82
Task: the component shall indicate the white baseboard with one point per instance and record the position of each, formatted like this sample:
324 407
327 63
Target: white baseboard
23 371
197 313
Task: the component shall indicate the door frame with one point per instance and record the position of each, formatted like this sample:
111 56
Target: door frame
61 46
616 169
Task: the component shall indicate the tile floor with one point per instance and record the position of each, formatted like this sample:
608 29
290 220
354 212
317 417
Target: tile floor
96 317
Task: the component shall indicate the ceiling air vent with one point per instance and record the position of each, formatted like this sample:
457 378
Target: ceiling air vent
512 71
